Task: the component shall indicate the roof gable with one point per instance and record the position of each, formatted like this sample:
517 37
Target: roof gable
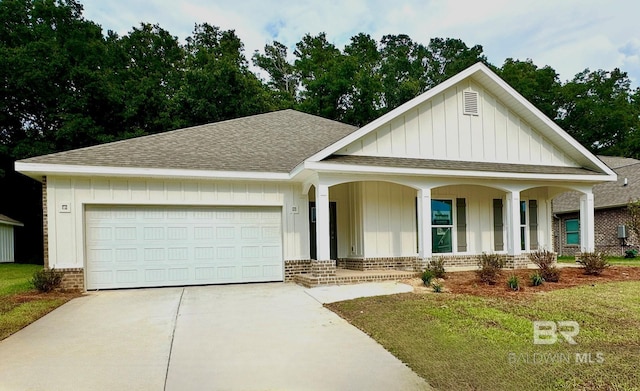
440 128
508 129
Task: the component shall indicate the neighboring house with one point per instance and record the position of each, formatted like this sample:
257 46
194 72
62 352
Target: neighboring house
7 242
467 167
610 203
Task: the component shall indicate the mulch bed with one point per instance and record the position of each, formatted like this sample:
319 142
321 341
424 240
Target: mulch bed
468 283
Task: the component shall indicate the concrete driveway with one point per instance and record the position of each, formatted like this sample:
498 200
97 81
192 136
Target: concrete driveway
236 337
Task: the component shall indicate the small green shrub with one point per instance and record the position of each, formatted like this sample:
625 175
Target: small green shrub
427 276
536 279
546 261
437 288
46 280
632 253
490 268
514 282
437 267
593 263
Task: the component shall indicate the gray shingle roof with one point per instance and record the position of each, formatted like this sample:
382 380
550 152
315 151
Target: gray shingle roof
271 142
8 220
607 194
455 165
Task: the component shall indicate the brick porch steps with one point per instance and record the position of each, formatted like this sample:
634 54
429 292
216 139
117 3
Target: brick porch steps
344 276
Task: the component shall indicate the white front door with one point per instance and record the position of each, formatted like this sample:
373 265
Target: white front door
145 246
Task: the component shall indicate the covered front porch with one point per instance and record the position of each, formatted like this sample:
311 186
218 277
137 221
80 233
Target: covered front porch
375 228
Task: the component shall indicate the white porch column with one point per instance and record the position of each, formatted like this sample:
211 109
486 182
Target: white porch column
323 243
424 223
587 233
513 223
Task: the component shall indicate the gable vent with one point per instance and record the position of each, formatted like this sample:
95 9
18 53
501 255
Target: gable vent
470 103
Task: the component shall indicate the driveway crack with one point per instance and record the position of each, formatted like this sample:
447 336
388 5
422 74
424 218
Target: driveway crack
173 335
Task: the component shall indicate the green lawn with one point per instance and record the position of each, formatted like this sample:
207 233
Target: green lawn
622 261
20 304
462 342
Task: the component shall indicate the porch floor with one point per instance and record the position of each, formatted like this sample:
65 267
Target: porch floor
347 276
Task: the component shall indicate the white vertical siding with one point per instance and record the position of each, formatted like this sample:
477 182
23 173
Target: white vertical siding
438 129
66 232
388 220
6 243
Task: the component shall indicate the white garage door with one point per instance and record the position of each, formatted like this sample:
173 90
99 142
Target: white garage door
139 246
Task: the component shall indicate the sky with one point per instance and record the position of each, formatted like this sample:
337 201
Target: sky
567 35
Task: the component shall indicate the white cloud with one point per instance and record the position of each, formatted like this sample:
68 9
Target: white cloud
568 35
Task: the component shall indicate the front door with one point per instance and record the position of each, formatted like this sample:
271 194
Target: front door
333 230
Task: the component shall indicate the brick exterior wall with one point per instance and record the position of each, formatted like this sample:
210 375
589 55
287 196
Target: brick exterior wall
323 268
390 263
45 219
72 279
295 267
511 262
606 222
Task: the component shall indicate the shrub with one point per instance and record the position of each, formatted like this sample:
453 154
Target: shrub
632 253
490 265
437 268
437 288
427 276
546 260
551 275
514 282
593 263
46 280
536 279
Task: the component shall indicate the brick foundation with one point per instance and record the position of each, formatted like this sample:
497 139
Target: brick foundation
390 263
293 268
323 269
72 279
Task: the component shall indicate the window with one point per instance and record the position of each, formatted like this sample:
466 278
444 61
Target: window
441 226
572 230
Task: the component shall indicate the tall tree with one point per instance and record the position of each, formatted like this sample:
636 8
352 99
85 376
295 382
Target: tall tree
597 108
448 57
324 77
539 86
283 79
362 63
402 69
217 83
50 89
148 63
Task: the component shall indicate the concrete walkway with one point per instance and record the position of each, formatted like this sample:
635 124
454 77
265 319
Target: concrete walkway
236 337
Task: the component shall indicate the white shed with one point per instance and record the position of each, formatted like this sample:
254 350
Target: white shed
6 238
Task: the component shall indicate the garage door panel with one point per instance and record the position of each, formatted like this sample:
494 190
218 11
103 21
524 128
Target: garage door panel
163 246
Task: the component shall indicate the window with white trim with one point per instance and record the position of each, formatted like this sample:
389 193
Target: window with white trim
572 231
441 226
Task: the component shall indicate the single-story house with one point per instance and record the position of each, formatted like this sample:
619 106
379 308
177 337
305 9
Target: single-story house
467 167
7 243
610 203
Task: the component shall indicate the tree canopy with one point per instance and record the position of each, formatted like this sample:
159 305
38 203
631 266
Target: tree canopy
65 83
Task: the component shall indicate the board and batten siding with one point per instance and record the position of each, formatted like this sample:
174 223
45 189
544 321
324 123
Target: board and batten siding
438 129
66 229
6 243
388 220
